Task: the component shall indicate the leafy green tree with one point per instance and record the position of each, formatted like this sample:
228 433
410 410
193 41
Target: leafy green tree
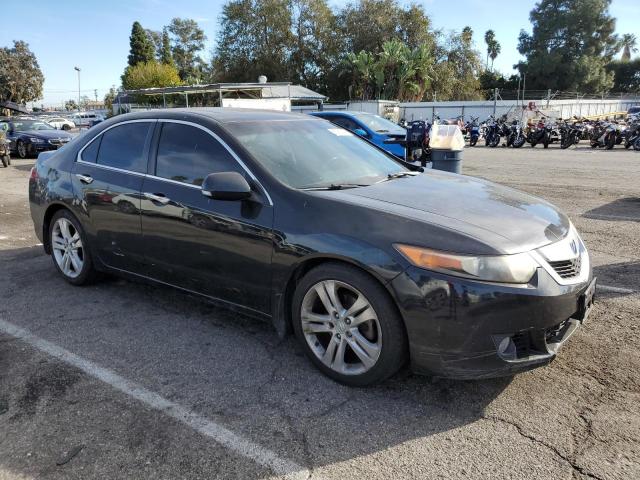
255 39
368 24
109 98
396 73
629 42
315 46
570 46
21 79
150 74
155 38
141 47
627 76
457 68
187 42
165 55
70 105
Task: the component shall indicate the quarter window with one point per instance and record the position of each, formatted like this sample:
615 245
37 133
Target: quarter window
124 147
90 153
188 154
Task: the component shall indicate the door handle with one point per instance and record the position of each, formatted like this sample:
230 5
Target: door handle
157 198
84 178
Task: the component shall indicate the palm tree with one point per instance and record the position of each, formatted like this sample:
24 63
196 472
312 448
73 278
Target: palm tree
489 38
494 51
629 42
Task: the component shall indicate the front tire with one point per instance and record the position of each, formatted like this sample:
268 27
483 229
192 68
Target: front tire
348 325
70 249
22 149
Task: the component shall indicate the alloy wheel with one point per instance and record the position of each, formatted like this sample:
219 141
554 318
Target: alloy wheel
22 149
67 248
341 327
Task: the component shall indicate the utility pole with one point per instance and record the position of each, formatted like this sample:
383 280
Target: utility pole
548 97
495 101
95 93
77 69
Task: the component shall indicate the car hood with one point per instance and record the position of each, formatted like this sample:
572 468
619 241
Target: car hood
507 220
46 134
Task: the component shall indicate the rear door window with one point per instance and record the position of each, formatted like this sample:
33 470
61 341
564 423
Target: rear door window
188 154
346 123
125 146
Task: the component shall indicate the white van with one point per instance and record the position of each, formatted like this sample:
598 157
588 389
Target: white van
86 119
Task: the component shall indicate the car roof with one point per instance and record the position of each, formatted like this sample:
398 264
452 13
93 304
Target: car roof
346 113
220 115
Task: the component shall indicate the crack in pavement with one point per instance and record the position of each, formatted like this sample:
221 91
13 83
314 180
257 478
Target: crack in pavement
576 468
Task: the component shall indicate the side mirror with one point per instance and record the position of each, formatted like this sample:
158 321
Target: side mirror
226 186
360 132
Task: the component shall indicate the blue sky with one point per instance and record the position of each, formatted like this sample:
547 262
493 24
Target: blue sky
95 34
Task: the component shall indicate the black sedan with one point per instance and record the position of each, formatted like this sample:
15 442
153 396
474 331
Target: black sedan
30 137
291 219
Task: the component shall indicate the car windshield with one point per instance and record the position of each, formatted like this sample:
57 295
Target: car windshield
314 154
377 123
24 125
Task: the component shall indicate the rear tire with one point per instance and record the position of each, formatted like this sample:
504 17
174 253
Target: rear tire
70 249
66 127
5 162
351 296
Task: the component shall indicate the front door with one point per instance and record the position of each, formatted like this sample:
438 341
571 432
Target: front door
108 177
215 247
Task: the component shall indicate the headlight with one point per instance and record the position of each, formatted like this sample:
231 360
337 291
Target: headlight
36 140
518 268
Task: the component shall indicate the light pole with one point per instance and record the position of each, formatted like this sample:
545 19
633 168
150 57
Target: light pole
77 69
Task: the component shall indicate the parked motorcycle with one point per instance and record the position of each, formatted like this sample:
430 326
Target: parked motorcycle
604 135
5 156
472 131
569 135
632 135
492 132
540 133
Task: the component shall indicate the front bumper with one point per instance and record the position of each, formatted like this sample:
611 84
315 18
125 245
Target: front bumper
465 329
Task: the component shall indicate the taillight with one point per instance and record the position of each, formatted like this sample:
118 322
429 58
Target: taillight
34 174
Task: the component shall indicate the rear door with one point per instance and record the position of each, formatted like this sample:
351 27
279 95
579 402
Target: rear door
215 247
108 177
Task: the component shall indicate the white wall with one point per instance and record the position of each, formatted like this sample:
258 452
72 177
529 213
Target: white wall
482 109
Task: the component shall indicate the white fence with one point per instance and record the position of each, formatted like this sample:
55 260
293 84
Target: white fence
482 109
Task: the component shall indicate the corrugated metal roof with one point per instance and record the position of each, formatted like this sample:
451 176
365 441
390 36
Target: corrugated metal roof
268 90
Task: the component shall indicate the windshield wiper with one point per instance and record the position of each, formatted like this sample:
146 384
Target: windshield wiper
403 174
382 131
336 186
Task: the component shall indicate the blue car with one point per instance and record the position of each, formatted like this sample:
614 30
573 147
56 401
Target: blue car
374 128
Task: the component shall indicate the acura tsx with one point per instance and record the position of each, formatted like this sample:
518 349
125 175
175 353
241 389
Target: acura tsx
297 221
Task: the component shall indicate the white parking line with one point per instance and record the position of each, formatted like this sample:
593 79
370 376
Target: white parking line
220 434
608 288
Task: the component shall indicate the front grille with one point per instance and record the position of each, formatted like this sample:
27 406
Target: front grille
567 268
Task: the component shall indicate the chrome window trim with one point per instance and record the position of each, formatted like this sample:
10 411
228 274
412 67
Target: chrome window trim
227 148
146 175
107 167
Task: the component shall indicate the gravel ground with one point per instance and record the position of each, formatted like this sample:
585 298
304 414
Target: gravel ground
227 379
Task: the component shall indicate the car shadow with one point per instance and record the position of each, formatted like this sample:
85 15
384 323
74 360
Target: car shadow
623 275
621 210
233 368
